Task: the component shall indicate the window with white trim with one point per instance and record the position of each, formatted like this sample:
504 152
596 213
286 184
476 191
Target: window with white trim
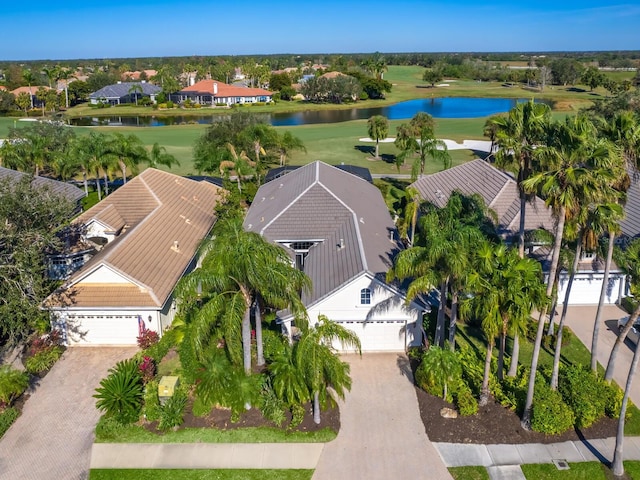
365 296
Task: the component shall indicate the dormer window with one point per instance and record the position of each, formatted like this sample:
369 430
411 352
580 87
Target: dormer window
365 296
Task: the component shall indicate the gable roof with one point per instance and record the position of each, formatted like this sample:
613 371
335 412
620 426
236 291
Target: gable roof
277 172
70 192
630 224
345 214
498 189
32 90
162 218
119 90
206 87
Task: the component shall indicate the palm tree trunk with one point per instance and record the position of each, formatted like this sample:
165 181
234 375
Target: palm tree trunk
377 150
484 391
556 357
515 353
453 320
246 340
523 206
123 168
603 291
501 350
617 465
439 335
526 414
619 341
554 306
106 184
66 94
259 346
98 187
316 407
86 186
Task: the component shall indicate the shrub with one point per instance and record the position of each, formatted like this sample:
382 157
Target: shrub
191 367
151 409
43 360
162 105
147 369
221 104
549 413
513 390
297 415
148 338
7 417
120 394
170 104
614 401
259 104
159 350
585 394
108 428
439 371
271 406
44 342
465 401
275 345
472 368
200 408
172 413
629 304
12 384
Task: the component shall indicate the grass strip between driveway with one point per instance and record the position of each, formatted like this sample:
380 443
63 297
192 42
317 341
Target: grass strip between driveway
548 471
171 474
137 434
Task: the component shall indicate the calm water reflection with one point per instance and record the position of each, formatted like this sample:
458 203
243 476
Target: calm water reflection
452 107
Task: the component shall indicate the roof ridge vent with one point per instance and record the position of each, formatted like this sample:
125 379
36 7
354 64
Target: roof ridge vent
176 246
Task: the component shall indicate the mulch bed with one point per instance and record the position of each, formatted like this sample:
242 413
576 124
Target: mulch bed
495 424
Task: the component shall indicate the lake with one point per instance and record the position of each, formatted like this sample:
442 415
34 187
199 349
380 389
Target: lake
448 107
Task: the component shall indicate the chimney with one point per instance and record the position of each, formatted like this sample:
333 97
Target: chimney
215 88
391 235
192 80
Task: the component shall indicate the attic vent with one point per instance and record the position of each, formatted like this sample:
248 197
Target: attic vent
188 221
281 185
176 246
341 244
391 235
361 220
263 199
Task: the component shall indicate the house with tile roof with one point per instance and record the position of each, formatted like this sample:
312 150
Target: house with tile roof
212 92
31 91
123 92
146 235
338 230
72 193
500 193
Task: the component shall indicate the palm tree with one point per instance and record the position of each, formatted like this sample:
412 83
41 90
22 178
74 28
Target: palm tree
321 367
240 163
517 136
288 143
236 267
442 366
129 151
136 89
418 137
407 227
159 156
65 74
628 261
378 128
90 150
490 130
29 77
259 137
51 74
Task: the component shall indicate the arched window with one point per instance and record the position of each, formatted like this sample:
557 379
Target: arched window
365 296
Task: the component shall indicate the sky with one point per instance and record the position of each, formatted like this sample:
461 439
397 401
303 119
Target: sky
72 29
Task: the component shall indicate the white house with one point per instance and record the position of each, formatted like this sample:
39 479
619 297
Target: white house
146 235
338 230
212 92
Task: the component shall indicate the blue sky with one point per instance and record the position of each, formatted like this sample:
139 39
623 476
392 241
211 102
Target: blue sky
69 29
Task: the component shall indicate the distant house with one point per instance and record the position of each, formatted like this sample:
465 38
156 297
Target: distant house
212 92
32 91
125 92
337 229
146 235
136 75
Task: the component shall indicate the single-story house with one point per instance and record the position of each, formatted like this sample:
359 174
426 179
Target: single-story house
361 172
338 230
32 91
135 75
125 92
212 92
146 235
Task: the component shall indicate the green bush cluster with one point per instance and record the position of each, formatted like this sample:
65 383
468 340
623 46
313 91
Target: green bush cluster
272 408
43 360
172 412
7 417
259 104
13 383
120 394
297 415
614 401
550 414
108 428
629 304
152 408
159 350
465 401
585 394
188 359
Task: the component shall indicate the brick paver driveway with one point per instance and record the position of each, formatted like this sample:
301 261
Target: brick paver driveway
53 436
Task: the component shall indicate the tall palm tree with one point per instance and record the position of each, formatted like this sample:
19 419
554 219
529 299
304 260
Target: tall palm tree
65 74
378 129
259 138
240 163
321 367
159 156
407 227
490 130
51 74
129 151
29 78
418 138
236 267
517 136
90 150
136 89
288 143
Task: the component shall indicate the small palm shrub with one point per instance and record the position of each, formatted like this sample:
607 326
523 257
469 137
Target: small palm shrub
550 414
12 384
43 360
120 393
584 393
172 412
151 409
472 368
271 406
440 369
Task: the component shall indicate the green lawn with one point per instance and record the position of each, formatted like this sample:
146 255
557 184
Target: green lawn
547 471
469 473
140 474
136 434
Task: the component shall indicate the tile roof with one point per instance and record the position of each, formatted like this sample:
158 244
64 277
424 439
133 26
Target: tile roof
163 218
631 223
30 90
207 87
70 192
498 189
361 172
342 211
119 90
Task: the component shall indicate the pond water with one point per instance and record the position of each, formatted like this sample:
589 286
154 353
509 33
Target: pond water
449 107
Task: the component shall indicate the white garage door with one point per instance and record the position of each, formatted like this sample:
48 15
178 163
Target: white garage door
379 336
102 330
586 290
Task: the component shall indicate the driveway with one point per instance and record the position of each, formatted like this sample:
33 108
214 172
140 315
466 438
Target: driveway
52 438
580 320
381 436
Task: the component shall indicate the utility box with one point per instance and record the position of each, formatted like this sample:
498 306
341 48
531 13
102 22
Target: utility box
167 387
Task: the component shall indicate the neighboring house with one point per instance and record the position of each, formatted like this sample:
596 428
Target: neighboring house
32 90
630 225
212 92
125 92
498 189
146 235
135 76
278 172
338 230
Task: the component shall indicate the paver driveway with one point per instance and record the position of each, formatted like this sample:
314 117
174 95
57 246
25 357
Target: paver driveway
53 436
381 436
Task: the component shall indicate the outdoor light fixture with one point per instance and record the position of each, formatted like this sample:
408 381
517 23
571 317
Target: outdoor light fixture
149 318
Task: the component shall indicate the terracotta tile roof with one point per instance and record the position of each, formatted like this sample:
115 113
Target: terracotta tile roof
224 90
2 87
165 218
32 90
333 75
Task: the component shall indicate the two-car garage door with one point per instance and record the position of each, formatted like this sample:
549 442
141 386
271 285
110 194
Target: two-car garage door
101 329
382 336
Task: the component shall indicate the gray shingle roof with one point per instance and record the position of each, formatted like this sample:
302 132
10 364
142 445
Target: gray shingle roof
322 202
498 189
70 192
119 90
631 223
